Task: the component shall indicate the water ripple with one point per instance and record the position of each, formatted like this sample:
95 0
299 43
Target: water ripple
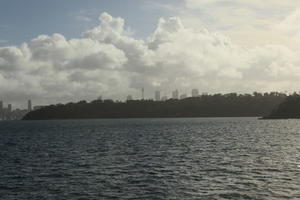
221 158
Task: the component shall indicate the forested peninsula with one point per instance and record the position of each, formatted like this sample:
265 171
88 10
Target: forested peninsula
215 105
288 109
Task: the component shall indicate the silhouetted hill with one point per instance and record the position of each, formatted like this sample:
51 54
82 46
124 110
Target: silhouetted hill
217 105
288 109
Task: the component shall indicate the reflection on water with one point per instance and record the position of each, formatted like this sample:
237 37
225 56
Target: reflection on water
224 158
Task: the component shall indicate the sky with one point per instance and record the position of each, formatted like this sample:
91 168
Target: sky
55 51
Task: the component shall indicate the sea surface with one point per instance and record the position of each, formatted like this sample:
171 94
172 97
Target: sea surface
213 158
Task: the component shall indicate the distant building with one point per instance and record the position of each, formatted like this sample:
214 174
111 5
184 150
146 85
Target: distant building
37 107
8 112
9 107
129 98
18 114
195 93
29 108
175 94
157 95
183 96
164 98
5 114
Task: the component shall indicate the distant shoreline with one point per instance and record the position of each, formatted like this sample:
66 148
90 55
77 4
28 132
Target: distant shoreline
288 109
257 117
205 106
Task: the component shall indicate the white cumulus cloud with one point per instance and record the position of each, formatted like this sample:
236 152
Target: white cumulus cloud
108 61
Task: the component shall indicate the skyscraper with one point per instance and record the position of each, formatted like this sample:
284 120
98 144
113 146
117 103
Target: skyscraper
9 107
157 95
29 106
175 94
195 93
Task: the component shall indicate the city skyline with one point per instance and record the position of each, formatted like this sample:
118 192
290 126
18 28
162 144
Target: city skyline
11 113
156 97
143 93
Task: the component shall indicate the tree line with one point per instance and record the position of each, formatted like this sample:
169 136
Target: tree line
288 109
207 105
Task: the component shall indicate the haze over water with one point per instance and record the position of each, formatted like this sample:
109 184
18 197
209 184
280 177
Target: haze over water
216 158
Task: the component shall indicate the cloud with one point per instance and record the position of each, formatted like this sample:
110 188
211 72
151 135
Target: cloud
290 25
83 18
238 19
83 15
108 61
255 3
3 41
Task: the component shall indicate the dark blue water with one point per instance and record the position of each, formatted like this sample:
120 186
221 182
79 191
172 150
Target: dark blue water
226 158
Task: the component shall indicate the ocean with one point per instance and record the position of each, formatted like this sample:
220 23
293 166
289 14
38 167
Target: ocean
192 158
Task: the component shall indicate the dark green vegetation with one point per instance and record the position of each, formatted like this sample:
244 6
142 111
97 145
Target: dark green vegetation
288 109
217 105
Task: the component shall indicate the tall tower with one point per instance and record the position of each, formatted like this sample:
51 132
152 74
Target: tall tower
157 95
142 93
29 106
